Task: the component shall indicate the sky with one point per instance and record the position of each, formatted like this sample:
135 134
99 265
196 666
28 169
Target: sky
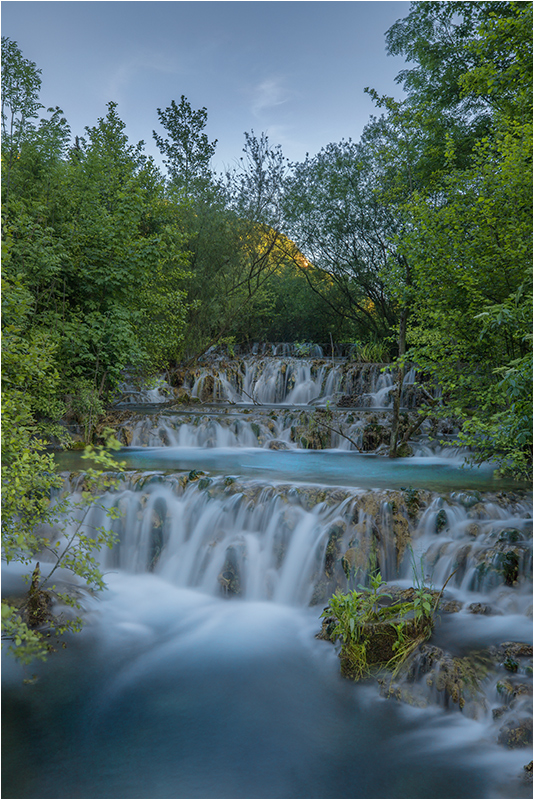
294 70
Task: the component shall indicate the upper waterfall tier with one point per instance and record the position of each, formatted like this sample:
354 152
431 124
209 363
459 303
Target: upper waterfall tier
285 380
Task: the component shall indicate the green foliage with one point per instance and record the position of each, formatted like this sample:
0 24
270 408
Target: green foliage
454 164
334 219
26 516
423 602
95 246
188 151
376 635
375 352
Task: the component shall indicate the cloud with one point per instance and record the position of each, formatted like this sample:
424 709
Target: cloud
268 94
125 74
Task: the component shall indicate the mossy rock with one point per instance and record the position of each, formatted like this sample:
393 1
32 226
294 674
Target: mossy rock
332 553
516 733
373 435
277 444
229 577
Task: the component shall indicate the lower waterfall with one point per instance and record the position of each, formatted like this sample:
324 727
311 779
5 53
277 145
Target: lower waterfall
198 673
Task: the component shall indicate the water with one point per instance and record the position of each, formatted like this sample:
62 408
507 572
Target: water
331 467
176 694
283 379
198 673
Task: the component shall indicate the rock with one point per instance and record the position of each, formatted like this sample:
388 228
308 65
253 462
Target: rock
509 689
511 664
511 536
373 436
332 553
478 608
512 649
349 401
277 444
473 529
517 649
516 733
229 577
441 520
450 606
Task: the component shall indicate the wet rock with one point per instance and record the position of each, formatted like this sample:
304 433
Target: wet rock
402 693
473 529
333 553
126 437
349 401
510 536
207 390
516 733
478 608
277 444
510 690
450 606
229 577
441 520
455 680
349 561
321 591
517 649
373 436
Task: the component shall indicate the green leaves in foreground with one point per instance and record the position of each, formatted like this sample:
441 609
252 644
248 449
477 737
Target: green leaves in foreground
72 544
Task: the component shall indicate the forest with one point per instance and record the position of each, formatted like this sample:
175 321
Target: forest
414 244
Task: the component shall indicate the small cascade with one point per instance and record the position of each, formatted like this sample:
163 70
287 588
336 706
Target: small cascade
266 381
316 429
216 587
296 544
298 381
483 544
279 378
145 392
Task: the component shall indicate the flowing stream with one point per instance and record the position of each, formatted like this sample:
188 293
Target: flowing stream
198 672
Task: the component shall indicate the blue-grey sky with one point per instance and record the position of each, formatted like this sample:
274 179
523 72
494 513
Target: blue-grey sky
295 70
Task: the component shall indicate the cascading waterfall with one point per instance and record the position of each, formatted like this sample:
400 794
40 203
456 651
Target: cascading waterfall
192 531
279 380
198 668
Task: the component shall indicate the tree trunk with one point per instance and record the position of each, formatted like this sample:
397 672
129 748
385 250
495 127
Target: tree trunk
401 371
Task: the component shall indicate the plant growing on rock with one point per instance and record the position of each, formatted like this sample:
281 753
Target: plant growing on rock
376 632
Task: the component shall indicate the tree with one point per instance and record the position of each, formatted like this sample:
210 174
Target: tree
98 248
29 381
468 254
334 218
188 151
21 83
233 235
471 261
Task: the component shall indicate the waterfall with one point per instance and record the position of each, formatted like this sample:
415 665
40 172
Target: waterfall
297 544
238 517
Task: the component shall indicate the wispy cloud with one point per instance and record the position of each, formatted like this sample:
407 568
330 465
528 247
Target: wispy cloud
269 93
121 78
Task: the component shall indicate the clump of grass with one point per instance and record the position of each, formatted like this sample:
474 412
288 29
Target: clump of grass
377 634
